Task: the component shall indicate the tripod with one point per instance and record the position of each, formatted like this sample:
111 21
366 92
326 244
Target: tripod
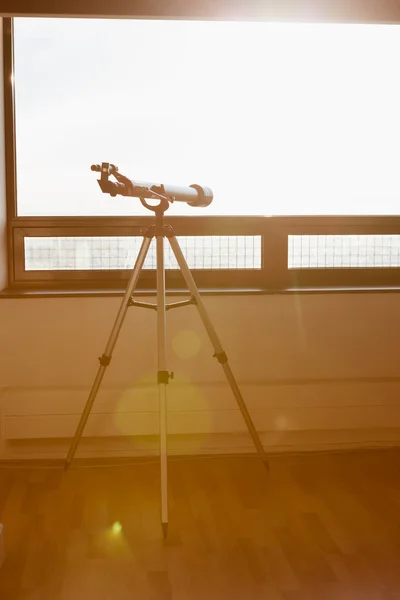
161 231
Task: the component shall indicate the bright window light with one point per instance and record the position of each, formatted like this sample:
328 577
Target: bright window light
277 119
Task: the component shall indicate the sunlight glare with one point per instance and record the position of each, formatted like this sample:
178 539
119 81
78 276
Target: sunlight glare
277 118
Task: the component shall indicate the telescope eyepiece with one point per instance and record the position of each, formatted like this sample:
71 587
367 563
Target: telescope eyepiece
96 168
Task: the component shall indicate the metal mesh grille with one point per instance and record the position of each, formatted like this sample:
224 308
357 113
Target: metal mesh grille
111 253
343 251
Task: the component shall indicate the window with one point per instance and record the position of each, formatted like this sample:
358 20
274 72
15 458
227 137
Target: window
278 119
343 251
290 120
117 252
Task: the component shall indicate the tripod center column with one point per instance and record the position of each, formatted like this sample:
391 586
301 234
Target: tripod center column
162 370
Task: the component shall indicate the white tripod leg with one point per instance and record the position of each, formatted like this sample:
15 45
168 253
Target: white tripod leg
162 379
106 358
219 352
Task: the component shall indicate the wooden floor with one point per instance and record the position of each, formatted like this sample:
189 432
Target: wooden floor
319 526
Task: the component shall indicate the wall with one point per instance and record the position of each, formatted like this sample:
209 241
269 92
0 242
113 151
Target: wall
316 371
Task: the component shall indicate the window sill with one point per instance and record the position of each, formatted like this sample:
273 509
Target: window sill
20 293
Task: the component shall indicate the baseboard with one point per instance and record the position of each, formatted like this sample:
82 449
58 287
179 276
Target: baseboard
179 445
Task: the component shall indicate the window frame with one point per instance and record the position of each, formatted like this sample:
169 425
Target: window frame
325 11
274 275
130 226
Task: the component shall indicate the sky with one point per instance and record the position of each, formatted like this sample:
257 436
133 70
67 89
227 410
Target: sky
278 119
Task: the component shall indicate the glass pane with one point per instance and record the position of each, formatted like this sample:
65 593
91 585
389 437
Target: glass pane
109 253
343 251
275 118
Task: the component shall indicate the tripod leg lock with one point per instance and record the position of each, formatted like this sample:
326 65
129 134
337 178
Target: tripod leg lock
221 357
164 377
104 360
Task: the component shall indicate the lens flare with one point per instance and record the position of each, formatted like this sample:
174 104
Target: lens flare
117 528
186 344
281 423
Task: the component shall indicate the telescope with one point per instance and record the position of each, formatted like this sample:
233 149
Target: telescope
194 195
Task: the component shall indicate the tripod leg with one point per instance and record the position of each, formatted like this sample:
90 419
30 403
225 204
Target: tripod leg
219 352
162 379
106 358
